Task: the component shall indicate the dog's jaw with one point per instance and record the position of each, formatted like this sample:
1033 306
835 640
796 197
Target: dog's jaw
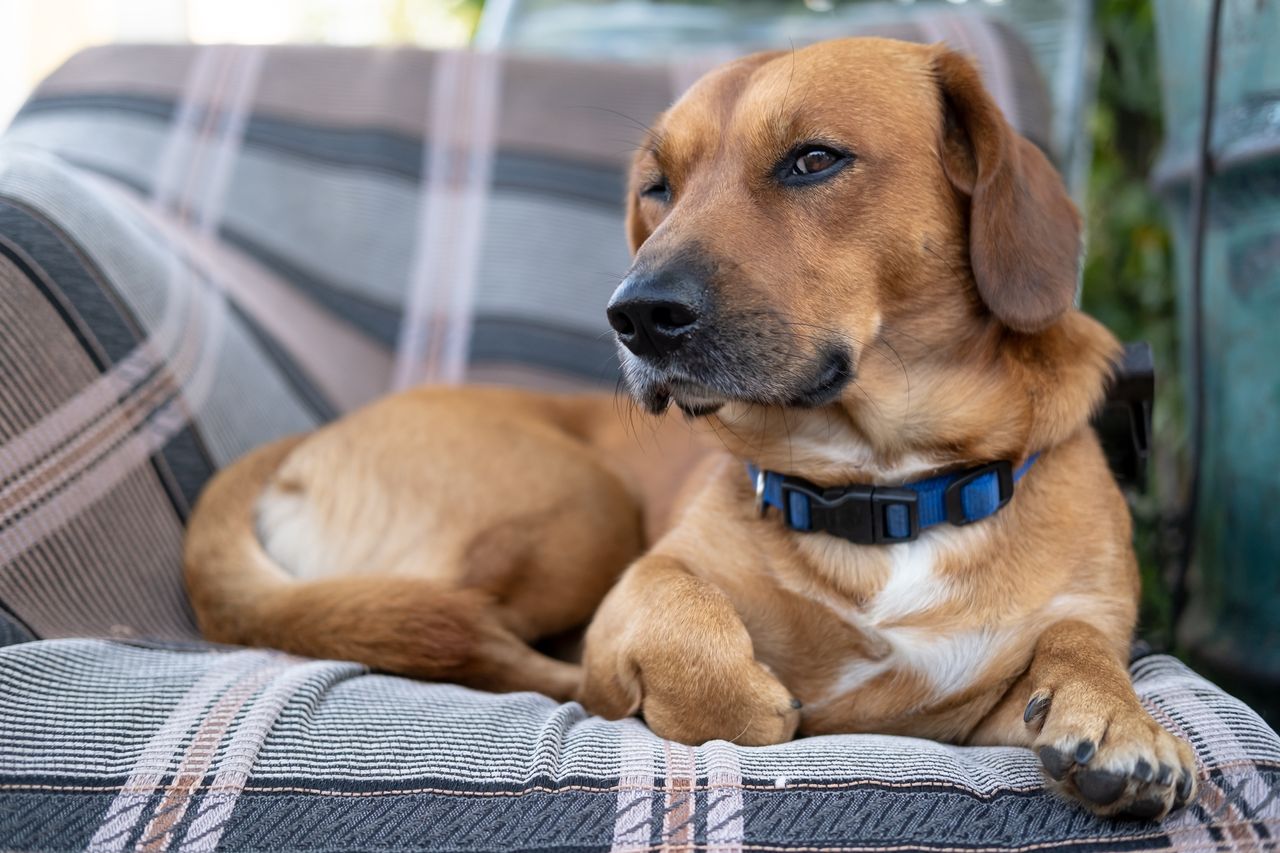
704 392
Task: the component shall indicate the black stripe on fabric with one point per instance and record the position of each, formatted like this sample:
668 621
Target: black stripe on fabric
303 387
376 319
517 340
44 820
554 176
101 324
106 330
90 346
187 469
931 817
567 820
13 629
378 149
495 340
161 108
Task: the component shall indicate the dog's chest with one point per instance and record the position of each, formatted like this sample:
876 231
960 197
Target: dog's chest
925 636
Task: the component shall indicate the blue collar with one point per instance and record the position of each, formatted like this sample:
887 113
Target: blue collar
872 515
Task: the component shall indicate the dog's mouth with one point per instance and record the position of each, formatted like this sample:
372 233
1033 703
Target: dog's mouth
702 395
695 399
832 378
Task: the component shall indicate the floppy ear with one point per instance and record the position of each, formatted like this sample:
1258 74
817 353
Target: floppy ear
1024 231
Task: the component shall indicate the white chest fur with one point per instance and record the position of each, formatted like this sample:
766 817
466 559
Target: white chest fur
945 657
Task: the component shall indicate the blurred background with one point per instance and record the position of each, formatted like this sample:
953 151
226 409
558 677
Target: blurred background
1116 95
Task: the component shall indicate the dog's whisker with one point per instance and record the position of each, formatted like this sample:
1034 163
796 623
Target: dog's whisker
654 135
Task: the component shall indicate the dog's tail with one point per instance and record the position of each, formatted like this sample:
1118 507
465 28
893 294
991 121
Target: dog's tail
405 625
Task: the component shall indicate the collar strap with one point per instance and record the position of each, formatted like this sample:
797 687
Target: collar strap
873 515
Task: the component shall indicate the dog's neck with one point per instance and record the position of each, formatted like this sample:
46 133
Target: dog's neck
1007 397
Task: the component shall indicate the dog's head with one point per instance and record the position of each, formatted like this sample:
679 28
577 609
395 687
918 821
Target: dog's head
853 229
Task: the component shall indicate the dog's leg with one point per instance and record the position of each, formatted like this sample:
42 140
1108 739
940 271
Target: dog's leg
506 663
670 646
1076 707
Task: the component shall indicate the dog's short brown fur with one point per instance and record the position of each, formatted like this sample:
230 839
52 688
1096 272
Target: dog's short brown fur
908 313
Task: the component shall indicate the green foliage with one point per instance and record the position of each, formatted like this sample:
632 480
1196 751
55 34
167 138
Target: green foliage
1129 273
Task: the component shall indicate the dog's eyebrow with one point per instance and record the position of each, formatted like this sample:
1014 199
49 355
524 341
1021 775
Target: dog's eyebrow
655 144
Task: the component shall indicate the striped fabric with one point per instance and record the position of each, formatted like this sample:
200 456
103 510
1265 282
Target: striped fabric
113 747
202 249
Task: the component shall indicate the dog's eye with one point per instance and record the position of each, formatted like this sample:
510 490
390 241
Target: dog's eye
657 189
811 163
814 160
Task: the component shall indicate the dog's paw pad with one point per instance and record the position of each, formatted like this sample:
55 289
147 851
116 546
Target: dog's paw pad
1055 763
1146 808
1101 787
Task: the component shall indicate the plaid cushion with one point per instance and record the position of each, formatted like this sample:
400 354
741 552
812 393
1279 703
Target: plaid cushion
111 746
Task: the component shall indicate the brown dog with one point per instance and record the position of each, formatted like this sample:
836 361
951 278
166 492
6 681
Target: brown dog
854 273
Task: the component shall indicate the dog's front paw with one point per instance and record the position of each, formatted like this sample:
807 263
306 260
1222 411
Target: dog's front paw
745 705
668 645
1109 754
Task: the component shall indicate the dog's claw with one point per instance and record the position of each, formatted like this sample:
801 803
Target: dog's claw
1184 790
1036 708
797 704
1165 777
1142 771
1085 751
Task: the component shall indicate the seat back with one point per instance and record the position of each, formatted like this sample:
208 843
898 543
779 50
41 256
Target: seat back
206 248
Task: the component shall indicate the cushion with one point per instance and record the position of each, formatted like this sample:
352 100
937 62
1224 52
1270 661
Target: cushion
110 746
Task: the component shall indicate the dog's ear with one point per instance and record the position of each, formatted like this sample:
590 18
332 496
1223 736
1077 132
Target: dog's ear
1024 231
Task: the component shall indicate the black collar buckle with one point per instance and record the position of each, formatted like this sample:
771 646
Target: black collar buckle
859 514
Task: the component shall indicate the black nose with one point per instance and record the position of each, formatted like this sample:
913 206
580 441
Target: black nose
654 314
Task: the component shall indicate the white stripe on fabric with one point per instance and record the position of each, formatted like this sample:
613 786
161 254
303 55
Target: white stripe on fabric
457 177
199 756
633 814
245 67
234 769
166 745
185 130
681 804
725 827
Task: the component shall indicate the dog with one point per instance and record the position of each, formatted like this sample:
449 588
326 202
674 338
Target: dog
857 282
